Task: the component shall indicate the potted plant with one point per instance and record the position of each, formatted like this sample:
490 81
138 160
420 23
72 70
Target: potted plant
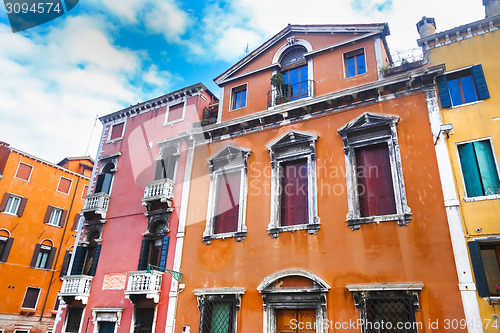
278 82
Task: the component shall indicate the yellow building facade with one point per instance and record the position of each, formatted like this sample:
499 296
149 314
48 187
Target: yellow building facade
469 95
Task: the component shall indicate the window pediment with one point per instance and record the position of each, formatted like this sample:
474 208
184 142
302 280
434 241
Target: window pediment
367 121
228 157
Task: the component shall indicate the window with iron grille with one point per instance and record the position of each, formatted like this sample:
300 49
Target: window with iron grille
388 312
73 319
218 315
144 320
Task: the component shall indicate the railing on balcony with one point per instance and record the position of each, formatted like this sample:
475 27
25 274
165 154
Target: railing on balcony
291 92
76 285
97 202
161 189
142 282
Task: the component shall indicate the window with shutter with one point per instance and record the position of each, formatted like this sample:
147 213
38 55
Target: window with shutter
116 132
462 87
55 216
5 247
64 185
175 112
31 298
24 171
376 190
13 204
485 259
479 168
227 196
294 193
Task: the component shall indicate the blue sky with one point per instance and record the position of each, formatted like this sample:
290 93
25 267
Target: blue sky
106 55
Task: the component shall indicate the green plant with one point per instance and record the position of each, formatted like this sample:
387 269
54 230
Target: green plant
385 67
277 80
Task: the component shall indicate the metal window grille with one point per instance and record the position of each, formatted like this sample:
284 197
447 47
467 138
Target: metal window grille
217 316
74 318
144 320
389 314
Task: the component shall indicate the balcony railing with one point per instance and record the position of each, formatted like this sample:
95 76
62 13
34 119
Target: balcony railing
77 286
142 282
97 203
291 92
161 189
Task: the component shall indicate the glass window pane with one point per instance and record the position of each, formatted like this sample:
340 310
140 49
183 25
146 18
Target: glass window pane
491 269
350 67
237 102
243 98
360 59
456 97
468 89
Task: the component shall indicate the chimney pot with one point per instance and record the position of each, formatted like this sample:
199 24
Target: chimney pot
426 26
491 7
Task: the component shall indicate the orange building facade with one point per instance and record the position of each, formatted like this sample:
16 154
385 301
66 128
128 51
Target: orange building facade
39 216
315 203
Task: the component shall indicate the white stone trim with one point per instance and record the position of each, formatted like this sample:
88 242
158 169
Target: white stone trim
31 172
110 129
385 286
183 101
231 96
268 280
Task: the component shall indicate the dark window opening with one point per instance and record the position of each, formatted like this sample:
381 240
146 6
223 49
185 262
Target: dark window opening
227 204
30 298
74 317
294 192
117 131
105 179
144 320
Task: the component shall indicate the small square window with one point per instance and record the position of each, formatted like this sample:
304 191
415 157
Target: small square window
116 131
175 112
24 171
55 217
64 185
355 63
462 87
239 97
479 169
31 298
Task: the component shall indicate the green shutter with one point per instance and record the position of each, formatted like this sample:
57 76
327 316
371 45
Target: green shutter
470 171
487 167
480 82
477 266
444 93
144 255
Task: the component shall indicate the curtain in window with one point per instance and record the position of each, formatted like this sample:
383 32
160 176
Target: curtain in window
227 205
294 193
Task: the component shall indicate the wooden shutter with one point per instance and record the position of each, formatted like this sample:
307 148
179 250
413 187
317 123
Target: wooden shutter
480 82
477 265
160 169
22 206
62 219
175 112
75 222
6 250
46 219
64 185
50 259
79 261
117 131
171 161
98 186
164 252
444 93
24 171
227 203
30 298
487 167
65 264
375 185
93 267
106 185
5 200
294 205
144 255
470 170
35 255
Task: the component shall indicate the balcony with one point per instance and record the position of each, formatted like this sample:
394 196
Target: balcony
96 203
161 189
144 283
291 92
77 286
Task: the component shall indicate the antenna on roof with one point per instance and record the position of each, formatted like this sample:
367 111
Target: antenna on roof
91 133
246 49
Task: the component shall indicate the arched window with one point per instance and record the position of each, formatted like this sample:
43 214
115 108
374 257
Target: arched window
295 70
105 179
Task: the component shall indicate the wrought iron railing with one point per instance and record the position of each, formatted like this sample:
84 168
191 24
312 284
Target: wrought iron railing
161 189
96 201
76 285
291 92
143 282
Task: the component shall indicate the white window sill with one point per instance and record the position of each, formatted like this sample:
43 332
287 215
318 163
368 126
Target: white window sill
114 140
11 214
356 222
482 198
311 227
239 235
466 104
171 123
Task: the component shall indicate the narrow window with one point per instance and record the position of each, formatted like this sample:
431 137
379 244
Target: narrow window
355 63
239 97
73 319
375 186
55 217
144 318
64 185
479 169
175 112
116 131
294 192
228 202
5 246
31 298
24 171
43 256
105 179
12 205
85 190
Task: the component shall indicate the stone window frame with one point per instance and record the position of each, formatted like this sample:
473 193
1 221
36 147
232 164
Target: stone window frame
291 146
366 130
110 130
229 159
234 91
182 101
106 315
293 298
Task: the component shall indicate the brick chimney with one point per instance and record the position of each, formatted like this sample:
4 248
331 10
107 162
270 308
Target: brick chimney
491 7
427 26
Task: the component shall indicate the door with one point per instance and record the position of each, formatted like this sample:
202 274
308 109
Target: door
296 321
106 327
